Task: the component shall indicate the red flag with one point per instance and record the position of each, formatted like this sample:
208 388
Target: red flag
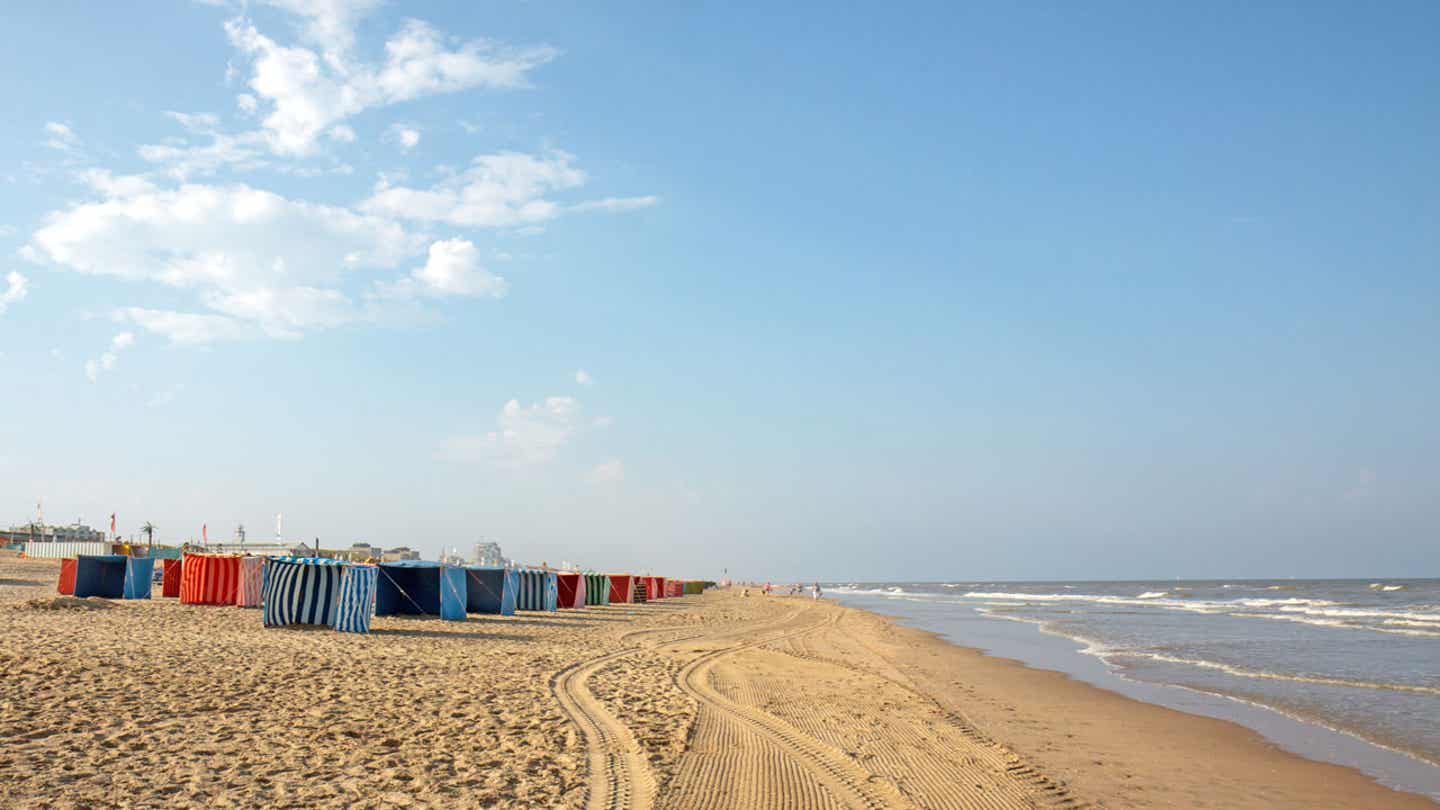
112 522
204 532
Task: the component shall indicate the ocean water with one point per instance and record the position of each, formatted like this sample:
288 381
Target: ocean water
1358 657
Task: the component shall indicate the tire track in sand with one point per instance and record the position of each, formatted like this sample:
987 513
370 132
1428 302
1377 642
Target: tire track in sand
796 769
619 776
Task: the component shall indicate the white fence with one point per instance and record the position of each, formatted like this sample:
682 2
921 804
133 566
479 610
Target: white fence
37 548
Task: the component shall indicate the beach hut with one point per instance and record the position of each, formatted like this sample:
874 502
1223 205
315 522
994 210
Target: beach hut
209 579
694 586
657 587
421 588
491 590
674 588
67 577
317 590
248 593
113 576
597 589
170 576
539 590
622 588
571 589
640 594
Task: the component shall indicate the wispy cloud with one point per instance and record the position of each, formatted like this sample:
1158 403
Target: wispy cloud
405 136
107 361
524 435
16 288
61 137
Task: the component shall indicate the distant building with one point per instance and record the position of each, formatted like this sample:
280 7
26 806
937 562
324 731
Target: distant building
257 549
489 554
399 553
359 552
74 533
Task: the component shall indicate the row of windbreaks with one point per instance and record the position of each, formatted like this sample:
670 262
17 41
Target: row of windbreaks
318 590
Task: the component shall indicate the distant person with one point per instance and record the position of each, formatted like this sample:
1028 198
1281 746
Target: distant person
815 591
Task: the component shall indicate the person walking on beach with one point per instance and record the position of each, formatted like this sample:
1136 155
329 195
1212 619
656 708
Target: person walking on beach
815 592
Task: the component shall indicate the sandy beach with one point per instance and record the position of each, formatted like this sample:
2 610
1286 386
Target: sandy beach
713 701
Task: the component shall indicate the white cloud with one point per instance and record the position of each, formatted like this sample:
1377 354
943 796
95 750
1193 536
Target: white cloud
502 190
308 92
269 265
614 205
16 288
330 23
61 137
186 327
203 123
406 137
107 360
524 435
583 377
499 190
183 159
341 133
451 268
247 103
609 472
603 422
111 185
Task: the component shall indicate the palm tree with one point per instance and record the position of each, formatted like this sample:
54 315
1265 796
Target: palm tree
149 531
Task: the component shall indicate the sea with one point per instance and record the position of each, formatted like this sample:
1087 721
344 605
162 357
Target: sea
1345 671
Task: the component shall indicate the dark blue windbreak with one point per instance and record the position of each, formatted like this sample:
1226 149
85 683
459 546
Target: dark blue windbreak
100 575
490 590
422 588
113 576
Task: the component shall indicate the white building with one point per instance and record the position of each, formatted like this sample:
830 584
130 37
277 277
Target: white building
489 554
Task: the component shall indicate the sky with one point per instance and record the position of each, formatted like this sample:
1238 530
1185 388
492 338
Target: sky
790 291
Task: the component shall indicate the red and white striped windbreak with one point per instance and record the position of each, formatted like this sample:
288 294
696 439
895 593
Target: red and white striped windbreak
248 592
209 579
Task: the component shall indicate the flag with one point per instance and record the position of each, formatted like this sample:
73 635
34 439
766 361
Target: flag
112 522
204 532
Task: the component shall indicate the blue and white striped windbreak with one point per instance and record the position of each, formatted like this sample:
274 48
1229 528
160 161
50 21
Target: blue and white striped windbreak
356 599
300 590
533 590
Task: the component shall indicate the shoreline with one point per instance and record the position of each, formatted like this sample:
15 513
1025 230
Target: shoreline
1000 691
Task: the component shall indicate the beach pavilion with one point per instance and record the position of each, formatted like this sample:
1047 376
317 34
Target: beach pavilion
209 579
318 590
421 588
112 576
538 590
622 588
491 590
597 589
571 589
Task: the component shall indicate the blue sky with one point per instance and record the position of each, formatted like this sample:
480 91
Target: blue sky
945 291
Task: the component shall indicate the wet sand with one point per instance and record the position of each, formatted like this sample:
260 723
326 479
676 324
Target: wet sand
714 701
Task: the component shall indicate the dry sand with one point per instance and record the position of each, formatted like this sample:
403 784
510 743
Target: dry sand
702 702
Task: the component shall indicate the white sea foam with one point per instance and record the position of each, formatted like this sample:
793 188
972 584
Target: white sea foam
1243 672
1345 625
1361 613
1153 594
